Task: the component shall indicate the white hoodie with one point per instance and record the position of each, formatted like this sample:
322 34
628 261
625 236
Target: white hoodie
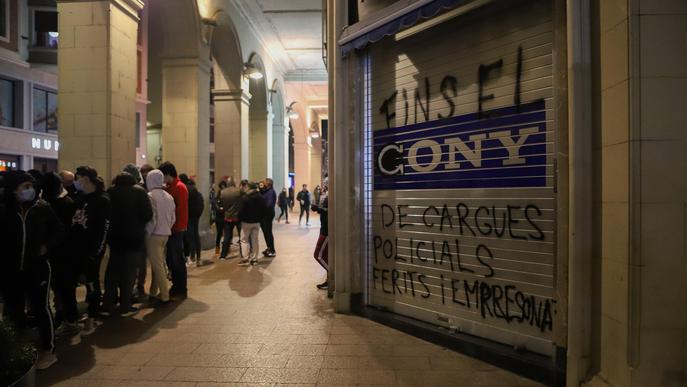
163 205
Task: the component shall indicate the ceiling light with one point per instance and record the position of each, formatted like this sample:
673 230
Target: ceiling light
291 113
252 72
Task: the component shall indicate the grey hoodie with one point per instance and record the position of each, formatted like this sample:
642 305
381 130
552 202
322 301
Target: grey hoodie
163 205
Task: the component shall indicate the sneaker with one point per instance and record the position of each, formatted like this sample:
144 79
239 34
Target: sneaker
223 258
67 329
307 225
128 313
199 263
89 326
271 254
45 360
287 222
253 261
244 262
266 252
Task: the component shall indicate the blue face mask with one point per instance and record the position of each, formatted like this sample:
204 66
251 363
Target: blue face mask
27 195
78 186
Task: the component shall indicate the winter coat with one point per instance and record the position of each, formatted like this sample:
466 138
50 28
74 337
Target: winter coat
304 198
324 215
283 200
162 204
231 202
29 237
270 199
196 204
252 207
131 211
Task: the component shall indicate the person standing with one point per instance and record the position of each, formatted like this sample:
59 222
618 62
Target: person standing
143 264
270 198
316 193
63 266
291 198
196 205
87 238
304 200
218 214
321 248
131 211
158 231
68 184
283 202
175 243
231 203
252 212
30 232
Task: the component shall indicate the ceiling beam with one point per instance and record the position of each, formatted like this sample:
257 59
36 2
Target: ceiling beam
306 75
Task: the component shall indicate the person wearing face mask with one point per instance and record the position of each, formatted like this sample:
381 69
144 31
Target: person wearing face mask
31 232
68 184
87 238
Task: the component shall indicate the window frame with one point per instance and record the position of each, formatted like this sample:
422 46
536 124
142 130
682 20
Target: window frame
5 35
33 38
47 91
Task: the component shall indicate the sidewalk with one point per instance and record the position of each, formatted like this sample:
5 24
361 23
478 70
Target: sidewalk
265 325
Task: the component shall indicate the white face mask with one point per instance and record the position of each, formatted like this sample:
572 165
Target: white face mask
27 195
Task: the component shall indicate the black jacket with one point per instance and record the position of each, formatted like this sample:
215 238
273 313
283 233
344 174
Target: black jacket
283 200
252 207
304 197
90 224
324 216
29 237
196 205
131 210
270 199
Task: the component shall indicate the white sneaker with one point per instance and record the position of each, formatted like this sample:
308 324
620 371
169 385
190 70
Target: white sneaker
45 360
67 329
89 326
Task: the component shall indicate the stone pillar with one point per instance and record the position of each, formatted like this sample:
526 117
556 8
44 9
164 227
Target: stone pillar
186 118
258 144
280 156
97 83
301 154
231 132
316 163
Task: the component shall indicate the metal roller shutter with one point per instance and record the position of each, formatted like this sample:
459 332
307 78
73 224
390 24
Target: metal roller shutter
459 160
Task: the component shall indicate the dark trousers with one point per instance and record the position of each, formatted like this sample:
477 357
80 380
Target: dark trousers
266 226
305 209
66 278
120 276
284 211
192 239
34 285
176 262
229 235
219 227
91 271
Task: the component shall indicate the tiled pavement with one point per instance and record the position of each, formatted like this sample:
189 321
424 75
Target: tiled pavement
261 326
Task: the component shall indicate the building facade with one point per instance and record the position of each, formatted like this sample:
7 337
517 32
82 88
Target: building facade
508 180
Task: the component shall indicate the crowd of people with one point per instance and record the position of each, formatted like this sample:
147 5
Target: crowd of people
60 228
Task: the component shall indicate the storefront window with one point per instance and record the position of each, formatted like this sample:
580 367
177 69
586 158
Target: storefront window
7 101
45 165
9 163
44 111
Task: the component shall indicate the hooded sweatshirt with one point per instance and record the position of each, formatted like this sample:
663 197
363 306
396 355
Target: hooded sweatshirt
163 205
131 211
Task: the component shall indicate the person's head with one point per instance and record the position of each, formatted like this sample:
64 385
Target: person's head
222 184
261 185
20 187
269 183
125 179
133 171
87 180
305 187
243 185
251 186
184 178
52 186
67 178
169 171
155 179
231 182
283 190
145 169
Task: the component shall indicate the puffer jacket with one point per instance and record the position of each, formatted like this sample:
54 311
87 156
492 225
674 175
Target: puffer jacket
252 207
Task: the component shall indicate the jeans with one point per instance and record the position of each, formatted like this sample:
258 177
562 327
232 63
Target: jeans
250 240
266 226
192 239
176 262
155 246
120 275
142 271
229 235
